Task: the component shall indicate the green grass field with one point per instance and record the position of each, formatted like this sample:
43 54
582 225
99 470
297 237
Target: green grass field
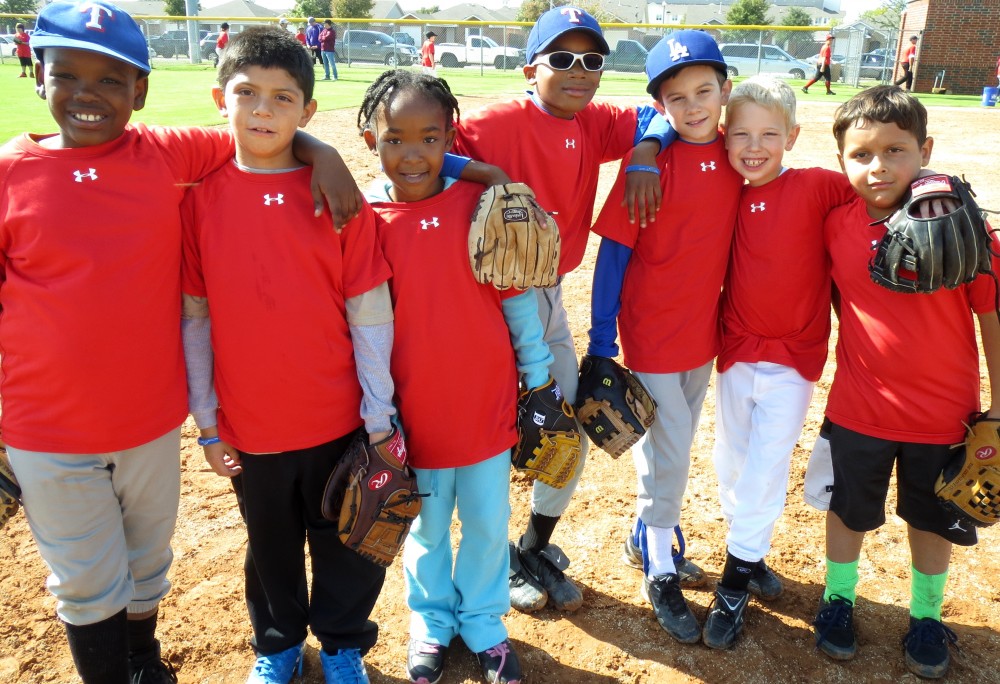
179 93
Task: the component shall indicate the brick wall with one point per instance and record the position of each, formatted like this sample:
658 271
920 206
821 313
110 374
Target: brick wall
959 37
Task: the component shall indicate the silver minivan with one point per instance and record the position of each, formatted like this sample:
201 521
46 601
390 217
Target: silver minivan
747 59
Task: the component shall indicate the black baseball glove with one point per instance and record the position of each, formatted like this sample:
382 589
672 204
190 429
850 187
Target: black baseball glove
613 407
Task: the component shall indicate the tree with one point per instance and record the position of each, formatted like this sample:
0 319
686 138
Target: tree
19 7
346 9
530 10
794 40
177 8
886 16
747 13
433 9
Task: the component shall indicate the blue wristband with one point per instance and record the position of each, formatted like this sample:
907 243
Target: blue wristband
205 441
636 167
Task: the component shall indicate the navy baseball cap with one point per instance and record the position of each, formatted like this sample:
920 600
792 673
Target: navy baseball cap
558 21
92 25
678 50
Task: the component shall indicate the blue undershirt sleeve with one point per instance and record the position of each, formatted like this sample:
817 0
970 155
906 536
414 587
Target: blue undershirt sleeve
453 165
653 126
609 275
527 337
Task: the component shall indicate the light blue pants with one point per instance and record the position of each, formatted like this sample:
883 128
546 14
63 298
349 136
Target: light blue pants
103 523
547 500
329 60
663 455
469 597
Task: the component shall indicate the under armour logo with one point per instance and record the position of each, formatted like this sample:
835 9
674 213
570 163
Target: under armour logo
80 175
433 223
279 198
95 11
573 13
754 208
538 418
570 142
708 166
678 50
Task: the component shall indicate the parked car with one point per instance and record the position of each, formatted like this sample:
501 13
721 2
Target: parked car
478 50
374 46
7 44
747 59
876 65
173 42
628 55
404 38
207 46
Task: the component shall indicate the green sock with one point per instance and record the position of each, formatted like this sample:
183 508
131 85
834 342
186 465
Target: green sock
842 580
926 594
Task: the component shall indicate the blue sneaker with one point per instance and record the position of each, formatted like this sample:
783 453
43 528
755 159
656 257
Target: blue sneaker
343 667
277 668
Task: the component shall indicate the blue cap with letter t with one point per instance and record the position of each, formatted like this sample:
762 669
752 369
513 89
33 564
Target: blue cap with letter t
678 50
92 25
558 21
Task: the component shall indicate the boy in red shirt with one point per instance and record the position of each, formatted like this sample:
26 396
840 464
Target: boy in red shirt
555 141
284 417
23 51
670 342
885 413
427 53
94 394
823 66
909 59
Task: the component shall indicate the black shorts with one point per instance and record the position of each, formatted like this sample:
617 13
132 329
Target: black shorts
862 466
25 61
823 72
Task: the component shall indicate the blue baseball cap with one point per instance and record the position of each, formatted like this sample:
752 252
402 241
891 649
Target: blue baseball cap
678 50
92 25
558 21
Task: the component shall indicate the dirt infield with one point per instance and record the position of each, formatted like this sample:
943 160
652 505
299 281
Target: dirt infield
614 637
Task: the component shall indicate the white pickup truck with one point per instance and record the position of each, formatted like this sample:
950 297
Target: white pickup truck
478 50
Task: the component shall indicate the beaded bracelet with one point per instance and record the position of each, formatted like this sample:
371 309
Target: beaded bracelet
205 441
637 167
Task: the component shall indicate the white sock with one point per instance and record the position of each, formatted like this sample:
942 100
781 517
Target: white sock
659 541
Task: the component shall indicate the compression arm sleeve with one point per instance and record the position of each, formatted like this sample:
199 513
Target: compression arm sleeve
609 276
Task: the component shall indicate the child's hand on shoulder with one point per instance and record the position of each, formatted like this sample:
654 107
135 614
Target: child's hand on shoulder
332 184
642 187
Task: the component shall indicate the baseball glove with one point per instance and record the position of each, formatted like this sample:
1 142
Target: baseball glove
548 444
507 245
372 495
613 407
922 254
969 486
10 492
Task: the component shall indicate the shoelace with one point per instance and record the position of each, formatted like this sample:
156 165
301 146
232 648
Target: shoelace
671 592
424 648
275 664
344 665
931 632
836 615
499 651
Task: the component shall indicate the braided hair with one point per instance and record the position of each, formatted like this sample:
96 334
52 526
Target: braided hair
391 83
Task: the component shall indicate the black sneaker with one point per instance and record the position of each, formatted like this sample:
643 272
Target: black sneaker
725 617
670 608
691 575
526 595
500 664
830 92
805 90
764 584
425 661
834 627
926 646
153 672
545 567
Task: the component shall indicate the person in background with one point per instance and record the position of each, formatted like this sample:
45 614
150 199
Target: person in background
300 35
427 53
23 51
823 65
328 49
222 41
909 59
312 39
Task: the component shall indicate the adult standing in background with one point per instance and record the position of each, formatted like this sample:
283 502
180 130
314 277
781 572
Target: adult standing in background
328 49
312 40
909 57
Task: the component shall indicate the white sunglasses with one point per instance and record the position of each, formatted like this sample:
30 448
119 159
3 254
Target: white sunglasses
563 60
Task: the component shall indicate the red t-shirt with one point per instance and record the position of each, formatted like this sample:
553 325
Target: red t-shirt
427 54
90 265
277 279
776 303
907 364
824 54
223 40
559 159
910 55
452 360
22 48
301 37
669 319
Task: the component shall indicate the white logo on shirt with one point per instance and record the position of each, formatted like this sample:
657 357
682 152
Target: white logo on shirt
95 11
433 223
80 175
754 208
708 166
279 199
573 13
678 50
570 142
